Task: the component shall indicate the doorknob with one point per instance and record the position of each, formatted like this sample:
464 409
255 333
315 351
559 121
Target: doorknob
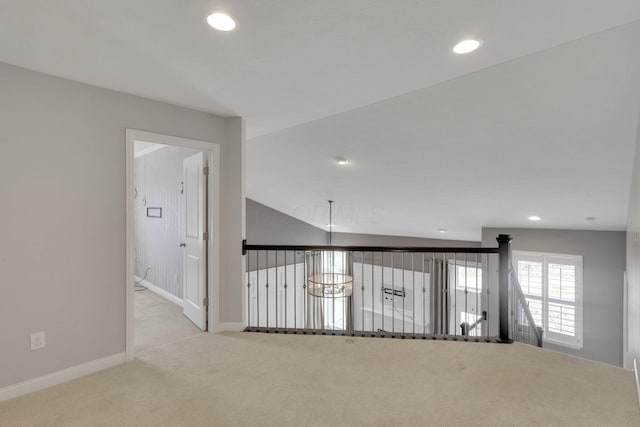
183 245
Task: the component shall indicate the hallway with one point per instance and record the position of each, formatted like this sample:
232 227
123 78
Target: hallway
158 321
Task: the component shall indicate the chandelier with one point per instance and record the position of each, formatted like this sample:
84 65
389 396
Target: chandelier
330 285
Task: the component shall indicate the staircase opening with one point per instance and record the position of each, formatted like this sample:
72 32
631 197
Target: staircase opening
459 294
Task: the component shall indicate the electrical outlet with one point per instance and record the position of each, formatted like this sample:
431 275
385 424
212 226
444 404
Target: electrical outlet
37 340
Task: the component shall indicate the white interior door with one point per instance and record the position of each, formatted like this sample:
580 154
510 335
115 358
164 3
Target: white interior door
194 276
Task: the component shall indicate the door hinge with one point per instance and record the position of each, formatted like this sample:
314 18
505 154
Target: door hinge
205 235
205 302
205 170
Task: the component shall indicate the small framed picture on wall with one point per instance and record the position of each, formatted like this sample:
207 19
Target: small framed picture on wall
154 212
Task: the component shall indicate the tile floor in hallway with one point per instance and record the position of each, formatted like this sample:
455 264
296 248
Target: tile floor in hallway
159 321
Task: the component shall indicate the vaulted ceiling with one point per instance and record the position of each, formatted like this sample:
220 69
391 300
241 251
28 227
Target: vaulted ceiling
550 134
540 120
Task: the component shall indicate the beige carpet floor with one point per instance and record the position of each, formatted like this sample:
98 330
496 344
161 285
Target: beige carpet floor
248 379
159 321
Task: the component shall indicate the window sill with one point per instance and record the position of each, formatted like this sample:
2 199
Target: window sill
561 343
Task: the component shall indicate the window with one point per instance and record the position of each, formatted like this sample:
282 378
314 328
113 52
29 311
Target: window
552 285
469 278
468 301
334 262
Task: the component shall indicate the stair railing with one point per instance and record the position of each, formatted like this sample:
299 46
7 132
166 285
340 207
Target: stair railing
467 294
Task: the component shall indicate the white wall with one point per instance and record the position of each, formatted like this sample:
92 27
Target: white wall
62 222
373 310
356 239
289 301
232 224
633 262
270 227
157 180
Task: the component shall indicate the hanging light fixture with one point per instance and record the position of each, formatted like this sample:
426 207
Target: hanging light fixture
330 285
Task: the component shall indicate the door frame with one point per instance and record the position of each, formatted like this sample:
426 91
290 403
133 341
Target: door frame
213 219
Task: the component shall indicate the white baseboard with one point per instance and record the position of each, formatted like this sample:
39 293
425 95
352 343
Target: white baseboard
627 361
153 288
230 327
635 370
60 377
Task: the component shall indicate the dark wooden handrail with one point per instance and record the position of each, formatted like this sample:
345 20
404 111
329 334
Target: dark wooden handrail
417 249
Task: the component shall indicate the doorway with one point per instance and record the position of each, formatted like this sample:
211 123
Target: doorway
172 245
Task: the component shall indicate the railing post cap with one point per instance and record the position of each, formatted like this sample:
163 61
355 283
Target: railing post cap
504 238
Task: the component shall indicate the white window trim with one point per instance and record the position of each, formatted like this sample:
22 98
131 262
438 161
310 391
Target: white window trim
575 343
469 264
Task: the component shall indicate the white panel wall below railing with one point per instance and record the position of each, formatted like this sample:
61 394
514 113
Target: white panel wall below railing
277 306
284 303
376 310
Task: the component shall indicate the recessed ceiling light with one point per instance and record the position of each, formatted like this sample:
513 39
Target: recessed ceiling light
466 46
442 230
221 21
342 161
534 218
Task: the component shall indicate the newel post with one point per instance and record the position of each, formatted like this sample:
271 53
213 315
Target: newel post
504 249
